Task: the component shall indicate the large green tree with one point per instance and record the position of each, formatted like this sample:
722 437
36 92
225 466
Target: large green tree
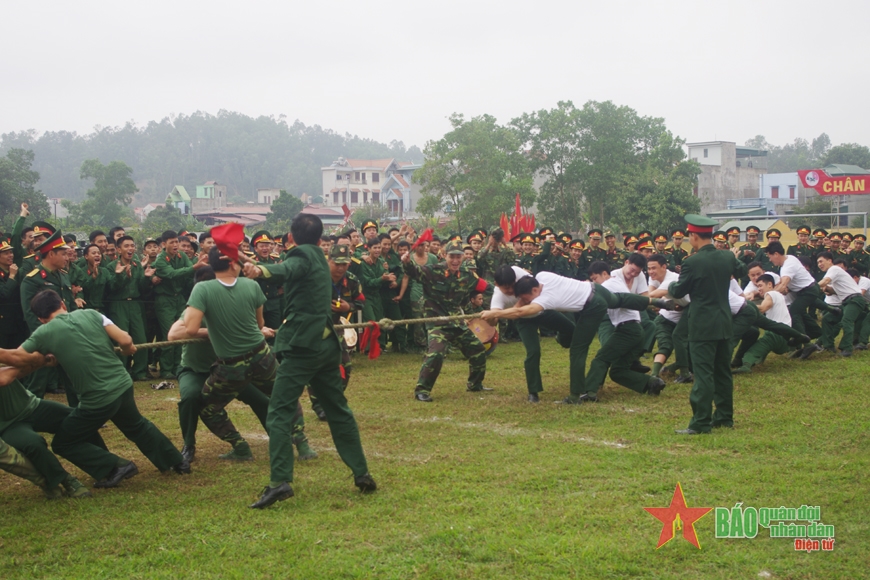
107 201
284 208
799 154
18 185
474 172
849 154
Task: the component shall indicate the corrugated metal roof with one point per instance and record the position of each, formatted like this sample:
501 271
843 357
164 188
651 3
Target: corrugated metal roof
836 169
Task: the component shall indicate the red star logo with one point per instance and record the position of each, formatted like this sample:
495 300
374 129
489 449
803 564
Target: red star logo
678 516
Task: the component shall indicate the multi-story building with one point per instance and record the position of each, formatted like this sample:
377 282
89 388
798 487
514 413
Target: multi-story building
728 172
359 182
209 196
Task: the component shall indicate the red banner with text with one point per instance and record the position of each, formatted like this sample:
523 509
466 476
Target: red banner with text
824 184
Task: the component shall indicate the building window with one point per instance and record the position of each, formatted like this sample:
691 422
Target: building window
343 197
774 192
705 153
376 197
365 197
356 175
791 191
353 197
338 177
376 177
363 177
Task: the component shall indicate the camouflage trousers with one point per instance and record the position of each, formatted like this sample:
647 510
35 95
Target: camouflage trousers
346 363
224 383
463 339
13 462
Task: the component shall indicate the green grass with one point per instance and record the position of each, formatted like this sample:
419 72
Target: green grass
479 485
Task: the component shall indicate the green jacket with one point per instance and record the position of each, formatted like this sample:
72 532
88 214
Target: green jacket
706 276
175 274
307 298
93 288
10 303
41 279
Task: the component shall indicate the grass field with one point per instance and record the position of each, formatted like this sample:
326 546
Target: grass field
480 485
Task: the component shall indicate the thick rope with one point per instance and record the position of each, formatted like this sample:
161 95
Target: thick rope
385 323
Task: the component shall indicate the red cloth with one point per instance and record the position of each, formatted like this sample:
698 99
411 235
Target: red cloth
370 339
227 238
425 237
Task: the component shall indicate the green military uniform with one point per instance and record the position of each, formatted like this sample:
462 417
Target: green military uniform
706 276
370 276
592 254
39 279
13 331
399 335
444 292
860 260
169 302
273 290
105 392
773 235
125 309
93 284
310 354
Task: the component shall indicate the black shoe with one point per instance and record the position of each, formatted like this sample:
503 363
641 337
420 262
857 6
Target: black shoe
117 475
365 483
860 346
687 432
182 468
845 353
423 396
685 379
639 367
809 350
533 398
321 414
271 495
797 342
479 389
188 452
662 303
655 386
587 398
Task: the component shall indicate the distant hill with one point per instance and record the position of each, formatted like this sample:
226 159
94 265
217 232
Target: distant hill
238 151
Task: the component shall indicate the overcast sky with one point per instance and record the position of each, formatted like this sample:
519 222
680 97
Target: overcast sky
396 70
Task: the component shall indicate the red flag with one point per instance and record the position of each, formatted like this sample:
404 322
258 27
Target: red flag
505 226
346 211
370 338
227 238
426 236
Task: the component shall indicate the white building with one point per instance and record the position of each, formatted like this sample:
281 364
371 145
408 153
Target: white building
359 182
728 172
268 195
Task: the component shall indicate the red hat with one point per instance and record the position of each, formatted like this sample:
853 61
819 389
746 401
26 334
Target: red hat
227 238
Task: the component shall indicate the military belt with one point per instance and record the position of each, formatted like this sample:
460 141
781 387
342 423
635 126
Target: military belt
246 356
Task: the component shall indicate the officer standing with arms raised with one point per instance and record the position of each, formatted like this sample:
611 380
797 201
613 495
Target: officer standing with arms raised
707 277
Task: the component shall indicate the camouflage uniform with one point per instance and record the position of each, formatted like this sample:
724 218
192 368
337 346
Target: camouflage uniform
229 377
488 261
444 293
13 462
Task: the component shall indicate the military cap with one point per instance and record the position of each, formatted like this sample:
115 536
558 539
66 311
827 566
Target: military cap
820 233
545 232
752 230
455 238
835 236
470 264
679 234
577 245
4 246
517 237
803 230
528 239
609 234
340 254
183 233
699 224
644 234
857 237
660 238
626 235
733 231
43 229
261 236
644 243
279 240
52 242
150 241
594 234
720 236
630 239
847 237
773 233
369 224
454 247
564 237
474 236
482 232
